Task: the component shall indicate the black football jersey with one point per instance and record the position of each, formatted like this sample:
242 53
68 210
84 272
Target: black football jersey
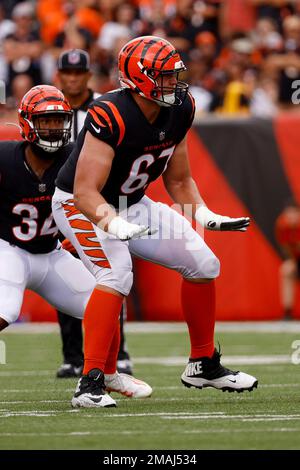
25 201
142 150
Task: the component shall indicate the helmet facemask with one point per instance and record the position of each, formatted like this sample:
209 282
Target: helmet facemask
52 129
45 119
167 95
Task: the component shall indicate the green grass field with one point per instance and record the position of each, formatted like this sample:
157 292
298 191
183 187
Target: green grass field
35 411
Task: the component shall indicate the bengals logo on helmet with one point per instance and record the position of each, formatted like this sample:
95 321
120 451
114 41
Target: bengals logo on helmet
143 63
45 101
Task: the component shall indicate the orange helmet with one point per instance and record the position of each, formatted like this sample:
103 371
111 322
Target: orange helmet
143 63
44 101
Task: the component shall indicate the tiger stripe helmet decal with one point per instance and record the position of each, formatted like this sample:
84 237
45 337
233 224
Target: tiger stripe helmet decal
142 61
39 101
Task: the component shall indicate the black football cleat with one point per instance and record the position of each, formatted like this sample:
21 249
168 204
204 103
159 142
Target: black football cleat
209 372
90 392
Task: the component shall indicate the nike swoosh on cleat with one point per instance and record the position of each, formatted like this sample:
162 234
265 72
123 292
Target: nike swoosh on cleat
95 400
96 129
233 381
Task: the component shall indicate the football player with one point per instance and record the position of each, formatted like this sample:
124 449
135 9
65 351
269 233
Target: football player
73 72
131 136
30 255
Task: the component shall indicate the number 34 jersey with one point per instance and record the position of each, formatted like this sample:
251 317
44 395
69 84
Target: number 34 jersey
25 201
142 150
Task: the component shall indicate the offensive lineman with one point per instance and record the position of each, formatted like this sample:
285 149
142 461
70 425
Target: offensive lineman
30 255
73 72
131 136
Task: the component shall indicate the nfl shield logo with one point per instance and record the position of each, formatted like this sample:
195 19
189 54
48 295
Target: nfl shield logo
42 188
162 135
74 57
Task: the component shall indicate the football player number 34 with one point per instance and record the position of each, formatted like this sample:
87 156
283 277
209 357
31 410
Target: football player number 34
29 228
136 179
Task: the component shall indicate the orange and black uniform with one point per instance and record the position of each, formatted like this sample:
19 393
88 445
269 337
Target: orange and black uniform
141 148
26 217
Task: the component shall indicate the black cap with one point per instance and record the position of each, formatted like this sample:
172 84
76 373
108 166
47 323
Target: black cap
74 59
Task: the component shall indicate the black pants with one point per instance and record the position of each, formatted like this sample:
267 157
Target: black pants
72 340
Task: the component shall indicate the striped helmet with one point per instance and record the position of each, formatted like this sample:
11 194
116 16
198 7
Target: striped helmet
40 102
143 64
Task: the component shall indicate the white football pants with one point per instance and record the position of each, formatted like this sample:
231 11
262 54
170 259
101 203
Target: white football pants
57 276
175 244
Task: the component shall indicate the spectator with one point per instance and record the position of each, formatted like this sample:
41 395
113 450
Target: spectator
6 26
275 9
206 43
236 70
236 16
23 48
266 37
123 25
180 28
285 66
264 100
198 70
288 237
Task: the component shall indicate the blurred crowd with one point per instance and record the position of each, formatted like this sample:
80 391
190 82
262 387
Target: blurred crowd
242 56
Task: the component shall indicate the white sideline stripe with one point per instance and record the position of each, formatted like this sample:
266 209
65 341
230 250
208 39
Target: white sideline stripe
227 360
172 327
25 373
265 417
21 402
173 387
156 400
31 390
166 416
173 361
100 433
177 387
202 431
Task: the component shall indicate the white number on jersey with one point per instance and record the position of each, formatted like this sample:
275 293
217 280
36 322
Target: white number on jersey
30 216
137 180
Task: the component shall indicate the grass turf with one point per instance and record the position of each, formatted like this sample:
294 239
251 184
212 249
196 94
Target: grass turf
35 410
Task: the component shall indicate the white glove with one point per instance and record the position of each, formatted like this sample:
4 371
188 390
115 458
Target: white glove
125 230
212 221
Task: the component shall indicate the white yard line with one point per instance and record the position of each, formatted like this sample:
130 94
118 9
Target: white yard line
171 387
169 361
226 360
199 416
25 373
22 402
104 433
